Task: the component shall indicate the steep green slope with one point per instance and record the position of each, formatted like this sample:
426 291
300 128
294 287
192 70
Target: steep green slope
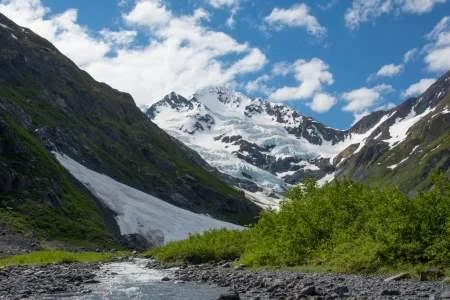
423 151
47 103
38 196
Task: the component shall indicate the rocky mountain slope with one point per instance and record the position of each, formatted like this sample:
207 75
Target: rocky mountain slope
273 146
48 104
411 143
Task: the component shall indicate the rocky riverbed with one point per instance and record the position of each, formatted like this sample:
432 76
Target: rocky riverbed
251 284
43 281
137 278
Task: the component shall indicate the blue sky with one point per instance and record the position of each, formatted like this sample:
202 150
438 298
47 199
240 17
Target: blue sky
323 57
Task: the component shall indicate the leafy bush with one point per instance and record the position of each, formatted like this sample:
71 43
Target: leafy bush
346 226
213 245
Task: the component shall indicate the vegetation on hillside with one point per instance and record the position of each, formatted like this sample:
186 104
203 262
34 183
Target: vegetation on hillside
40 197
343 226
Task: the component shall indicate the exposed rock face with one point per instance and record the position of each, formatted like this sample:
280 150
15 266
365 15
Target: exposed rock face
274 146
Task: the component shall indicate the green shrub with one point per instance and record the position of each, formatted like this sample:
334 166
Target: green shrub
345 226
214 245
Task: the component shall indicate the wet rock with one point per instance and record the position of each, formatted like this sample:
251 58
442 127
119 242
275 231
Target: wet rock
341 290
309 291
229 296
165 278
391 293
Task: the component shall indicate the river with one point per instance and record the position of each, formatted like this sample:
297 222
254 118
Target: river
132 280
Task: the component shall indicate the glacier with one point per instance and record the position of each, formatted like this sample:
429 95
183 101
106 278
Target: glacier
138 212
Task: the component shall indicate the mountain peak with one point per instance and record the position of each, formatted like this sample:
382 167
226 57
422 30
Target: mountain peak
273 146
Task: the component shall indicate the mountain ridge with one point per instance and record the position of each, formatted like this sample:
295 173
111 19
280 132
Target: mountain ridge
48 104
324 148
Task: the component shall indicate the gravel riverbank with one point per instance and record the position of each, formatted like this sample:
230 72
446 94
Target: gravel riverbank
48 282
295 285
39 282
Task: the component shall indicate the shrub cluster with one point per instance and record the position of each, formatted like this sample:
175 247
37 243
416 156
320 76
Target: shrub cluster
346 226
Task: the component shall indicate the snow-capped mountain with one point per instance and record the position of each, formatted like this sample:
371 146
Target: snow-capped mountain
251 140
408 143
274 146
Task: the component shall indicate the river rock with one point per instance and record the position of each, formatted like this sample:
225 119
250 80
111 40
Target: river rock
229 296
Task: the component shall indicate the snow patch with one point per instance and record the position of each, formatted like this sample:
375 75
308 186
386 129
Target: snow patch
138 212
5 26
284 174
414 149
14 37
392 167
399 130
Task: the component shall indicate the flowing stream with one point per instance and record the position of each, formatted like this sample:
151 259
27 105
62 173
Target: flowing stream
132 280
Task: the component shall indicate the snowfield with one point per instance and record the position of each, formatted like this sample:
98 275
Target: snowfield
138 212
229 115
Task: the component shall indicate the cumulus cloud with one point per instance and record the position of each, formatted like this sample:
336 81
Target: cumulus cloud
310 75
182 54
390 70
322 102
437 51
363 11
361 101
296 16
418 88
151 13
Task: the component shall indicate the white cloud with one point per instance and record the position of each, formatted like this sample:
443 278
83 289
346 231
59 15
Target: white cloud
418 88
221 3
420 6
437 51
295 16
62 30
122 38
281 68
322 102
363 11
151 13
409 55
361 101
182 54
390 70
259 85
310 75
